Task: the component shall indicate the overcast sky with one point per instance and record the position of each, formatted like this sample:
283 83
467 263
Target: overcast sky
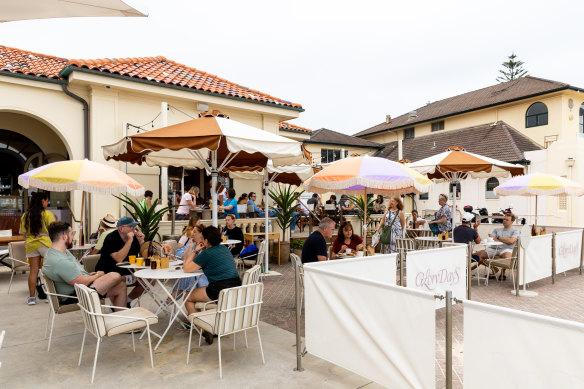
349 63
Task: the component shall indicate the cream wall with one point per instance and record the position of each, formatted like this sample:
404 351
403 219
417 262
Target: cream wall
315 150
295 135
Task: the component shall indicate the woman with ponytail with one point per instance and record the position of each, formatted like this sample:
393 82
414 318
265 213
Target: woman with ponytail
34 225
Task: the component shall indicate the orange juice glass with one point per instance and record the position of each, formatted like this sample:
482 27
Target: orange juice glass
140 261
132 259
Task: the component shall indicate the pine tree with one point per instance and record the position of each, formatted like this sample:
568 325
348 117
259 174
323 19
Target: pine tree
513 69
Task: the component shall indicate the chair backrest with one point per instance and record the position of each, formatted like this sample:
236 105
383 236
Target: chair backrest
452 244
17 250
405 244
310 207
250 208
89 303
252 276
329 207
262 251
49 287
239 308
89 262
242 208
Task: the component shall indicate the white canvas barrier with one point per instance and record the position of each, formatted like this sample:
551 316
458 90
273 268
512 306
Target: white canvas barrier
438 270
536 260
568 250
381 268
382 332
506 348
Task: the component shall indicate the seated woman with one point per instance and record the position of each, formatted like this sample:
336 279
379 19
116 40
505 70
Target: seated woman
229 207
217 264
232 232
185 237
193 246
416 222
243 199
346 239
379 205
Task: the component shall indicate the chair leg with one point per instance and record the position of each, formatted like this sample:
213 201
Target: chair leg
219 349
82 344
150 346
95 360
48 321
133 341
200 336
51 333
245 335
190 337
234 341
10 284
260 340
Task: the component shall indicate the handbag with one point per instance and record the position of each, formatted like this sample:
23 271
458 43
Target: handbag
434 228
386 233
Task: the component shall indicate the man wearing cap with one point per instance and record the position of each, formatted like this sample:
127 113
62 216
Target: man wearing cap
107 224
464 233
117 246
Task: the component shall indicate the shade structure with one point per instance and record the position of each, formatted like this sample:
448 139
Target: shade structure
539 184
456 164
13 10
352 176
213 142
84 175
88 176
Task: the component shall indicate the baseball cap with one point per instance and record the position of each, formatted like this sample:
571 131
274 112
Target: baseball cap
467 217
127 221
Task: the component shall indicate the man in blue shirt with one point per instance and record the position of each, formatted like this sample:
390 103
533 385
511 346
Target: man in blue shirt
256 211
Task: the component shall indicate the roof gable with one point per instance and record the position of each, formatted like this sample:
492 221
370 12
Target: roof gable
285 126
505 92
326 136
153 69
497 140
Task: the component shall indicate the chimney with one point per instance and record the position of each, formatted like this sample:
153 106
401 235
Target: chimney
388 119
400 150
413 115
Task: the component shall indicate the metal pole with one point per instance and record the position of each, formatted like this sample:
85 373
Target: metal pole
266 224
519 267
402 258
449 339
298 313
173 210
582 252
553 258
214 205
469 271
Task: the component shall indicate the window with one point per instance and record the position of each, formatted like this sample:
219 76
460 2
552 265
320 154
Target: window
423 196
581 128
329 155
451 190
537 115
562 203
437 126
492 183
409 133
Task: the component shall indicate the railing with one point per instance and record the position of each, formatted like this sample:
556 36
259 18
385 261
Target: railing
247 225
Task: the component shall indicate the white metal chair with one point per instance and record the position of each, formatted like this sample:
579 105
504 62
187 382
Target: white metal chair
504 263
242 210
252 260
2 334
102 325
238 309
55 305
89 262
17 257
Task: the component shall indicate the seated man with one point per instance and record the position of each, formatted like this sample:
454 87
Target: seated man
315 200
347 206
315 248
117 246
464 233
256 211
65 270
108 224
506 235
231 231
217 264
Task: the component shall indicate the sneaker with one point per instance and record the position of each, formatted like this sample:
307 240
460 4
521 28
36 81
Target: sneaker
31 301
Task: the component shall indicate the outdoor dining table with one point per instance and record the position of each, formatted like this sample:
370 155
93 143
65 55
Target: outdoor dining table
79 251
162 276
230 242
434 239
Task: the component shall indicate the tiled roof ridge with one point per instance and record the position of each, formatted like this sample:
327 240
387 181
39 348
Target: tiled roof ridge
10 55
507 132
362 142
294 127
33 53
92 64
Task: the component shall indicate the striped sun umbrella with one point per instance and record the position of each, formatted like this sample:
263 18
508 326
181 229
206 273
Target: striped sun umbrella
539 184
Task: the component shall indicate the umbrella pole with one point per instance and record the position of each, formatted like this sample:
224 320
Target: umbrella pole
454 206
365 222
81 220
215 208
535 228
266 254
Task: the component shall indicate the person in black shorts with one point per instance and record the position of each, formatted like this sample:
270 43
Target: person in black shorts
464 233
314 248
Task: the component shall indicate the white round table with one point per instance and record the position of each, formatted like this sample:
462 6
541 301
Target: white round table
231 241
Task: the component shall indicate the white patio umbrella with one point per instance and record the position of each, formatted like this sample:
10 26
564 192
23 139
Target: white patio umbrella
213 142
456 164
14 10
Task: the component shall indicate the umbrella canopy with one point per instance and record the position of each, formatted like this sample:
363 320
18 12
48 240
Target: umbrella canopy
291 175
539 184
355 175
190 143
457 164
13 10
88 176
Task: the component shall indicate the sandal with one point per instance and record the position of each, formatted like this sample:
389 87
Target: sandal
502 278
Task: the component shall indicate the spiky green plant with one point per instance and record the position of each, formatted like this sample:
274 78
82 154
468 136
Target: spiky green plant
149 219
359 202
285 197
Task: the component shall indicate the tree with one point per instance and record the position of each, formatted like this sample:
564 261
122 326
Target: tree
513 69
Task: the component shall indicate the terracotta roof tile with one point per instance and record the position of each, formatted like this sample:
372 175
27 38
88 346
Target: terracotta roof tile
294 128
326 136
497 94
32 64
155 69
496 140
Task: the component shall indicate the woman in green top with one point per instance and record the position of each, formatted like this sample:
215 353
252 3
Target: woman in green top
34 225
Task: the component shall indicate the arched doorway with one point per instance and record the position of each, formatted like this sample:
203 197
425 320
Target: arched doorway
18 154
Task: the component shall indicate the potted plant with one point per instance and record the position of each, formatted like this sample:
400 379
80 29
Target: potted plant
359 202
284 198
149 219
296 246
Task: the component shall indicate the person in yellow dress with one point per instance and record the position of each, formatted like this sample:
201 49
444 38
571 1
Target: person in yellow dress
34 226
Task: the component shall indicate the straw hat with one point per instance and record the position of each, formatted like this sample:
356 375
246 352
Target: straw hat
109 221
